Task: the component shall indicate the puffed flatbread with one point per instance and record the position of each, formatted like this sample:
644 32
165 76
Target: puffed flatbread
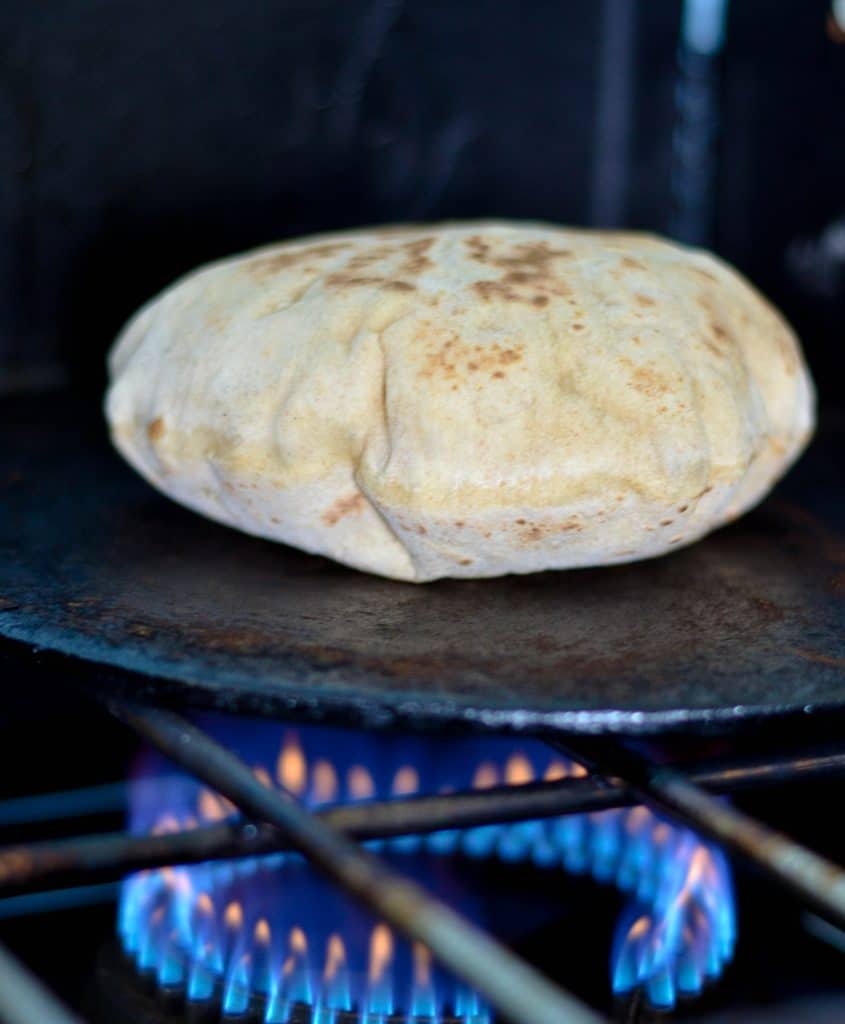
464 399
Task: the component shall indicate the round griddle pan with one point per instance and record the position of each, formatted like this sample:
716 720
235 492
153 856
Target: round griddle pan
144 596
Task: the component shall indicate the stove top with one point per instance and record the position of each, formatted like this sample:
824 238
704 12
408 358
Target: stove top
780 971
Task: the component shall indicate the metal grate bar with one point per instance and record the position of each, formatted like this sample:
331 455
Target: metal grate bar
514 988
112 855
817 881
23 998
70 803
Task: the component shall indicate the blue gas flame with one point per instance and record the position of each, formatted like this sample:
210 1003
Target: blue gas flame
269 929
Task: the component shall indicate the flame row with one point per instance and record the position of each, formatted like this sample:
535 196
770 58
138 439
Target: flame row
677 933
187 942
320 784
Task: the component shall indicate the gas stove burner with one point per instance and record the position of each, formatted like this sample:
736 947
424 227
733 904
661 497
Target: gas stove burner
127 997
268 937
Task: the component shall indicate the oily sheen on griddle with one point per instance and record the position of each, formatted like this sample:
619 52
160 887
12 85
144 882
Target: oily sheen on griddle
466 399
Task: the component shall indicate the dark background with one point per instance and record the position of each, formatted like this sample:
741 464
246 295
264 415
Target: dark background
141 137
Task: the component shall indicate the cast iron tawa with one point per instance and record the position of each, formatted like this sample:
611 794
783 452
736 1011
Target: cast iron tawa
144 597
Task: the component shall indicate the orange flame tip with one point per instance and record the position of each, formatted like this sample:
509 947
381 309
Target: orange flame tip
291 767
233 916
165 824
324 782
360 783
335 956
518 770
422 964
205 905
556 771
406 781
381 952
297 940
486 776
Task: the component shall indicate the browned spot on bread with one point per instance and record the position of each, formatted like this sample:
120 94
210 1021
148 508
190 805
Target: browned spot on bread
452 359
421 530
466 561
631 264
416 260
325 249
498 375
520 522
365 258
537 531
266 266
683 508
648 383
720 337
704 273
539 300
487 290
529 272
478 248
666 522
275 519
389 265
644 300
577 326
535 256
342 280
156 429
459 523
345 506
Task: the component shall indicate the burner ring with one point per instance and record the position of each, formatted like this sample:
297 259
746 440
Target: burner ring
124 996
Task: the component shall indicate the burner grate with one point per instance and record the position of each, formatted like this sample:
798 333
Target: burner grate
97 857
676 934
